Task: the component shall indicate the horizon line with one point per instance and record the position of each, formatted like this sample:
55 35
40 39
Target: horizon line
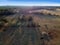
29 4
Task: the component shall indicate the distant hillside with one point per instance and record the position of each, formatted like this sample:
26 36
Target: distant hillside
55 12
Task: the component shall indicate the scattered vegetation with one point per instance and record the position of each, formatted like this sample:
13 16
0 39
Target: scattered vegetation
20 29
6 12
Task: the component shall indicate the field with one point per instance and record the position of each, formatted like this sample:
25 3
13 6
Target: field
26 25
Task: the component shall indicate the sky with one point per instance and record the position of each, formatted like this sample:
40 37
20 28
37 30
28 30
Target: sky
30 2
